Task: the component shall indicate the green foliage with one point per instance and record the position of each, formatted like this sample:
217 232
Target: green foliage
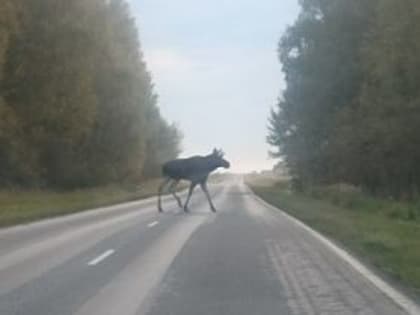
388 112
75 96
350 112
8 26
163 142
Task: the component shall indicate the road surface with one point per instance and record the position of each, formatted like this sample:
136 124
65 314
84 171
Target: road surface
129 260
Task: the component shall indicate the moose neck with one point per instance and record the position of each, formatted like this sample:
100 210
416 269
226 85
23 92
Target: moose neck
211 164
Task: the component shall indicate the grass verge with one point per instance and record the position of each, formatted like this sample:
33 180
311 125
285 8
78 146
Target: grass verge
18 207
383 233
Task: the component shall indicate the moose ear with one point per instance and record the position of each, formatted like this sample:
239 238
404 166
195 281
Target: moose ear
215 152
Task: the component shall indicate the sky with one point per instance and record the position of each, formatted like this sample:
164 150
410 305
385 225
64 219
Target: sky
216 71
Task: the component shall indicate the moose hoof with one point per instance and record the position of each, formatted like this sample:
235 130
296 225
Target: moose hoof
213 209
186 210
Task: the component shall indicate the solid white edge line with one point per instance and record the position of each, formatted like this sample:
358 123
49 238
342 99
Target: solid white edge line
101 257
152 224
407 304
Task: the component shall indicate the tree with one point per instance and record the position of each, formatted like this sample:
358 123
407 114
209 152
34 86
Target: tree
49 84
76 97
388 113
9 130
320 54
351 110
117 146
163 144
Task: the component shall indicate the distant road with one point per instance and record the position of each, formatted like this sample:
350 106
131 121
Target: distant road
248 259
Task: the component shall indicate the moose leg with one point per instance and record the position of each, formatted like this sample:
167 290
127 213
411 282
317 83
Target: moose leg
161 187
204 188
190 191
173 192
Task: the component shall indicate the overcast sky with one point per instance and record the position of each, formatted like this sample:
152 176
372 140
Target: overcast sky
215 68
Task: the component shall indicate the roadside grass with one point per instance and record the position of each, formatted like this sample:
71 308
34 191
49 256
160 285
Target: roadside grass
383 233
20 206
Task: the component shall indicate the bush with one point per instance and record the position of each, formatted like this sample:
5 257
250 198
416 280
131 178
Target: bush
351 197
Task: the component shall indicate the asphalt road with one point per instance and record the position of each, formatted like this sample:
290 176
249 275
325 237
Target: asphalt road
129 260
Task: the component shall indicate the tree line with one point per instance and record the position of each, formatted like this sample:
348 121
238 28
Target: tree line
77 104
351 108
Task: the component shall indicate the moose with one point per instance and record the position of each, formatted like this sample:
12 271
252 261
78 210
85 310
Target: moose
196 170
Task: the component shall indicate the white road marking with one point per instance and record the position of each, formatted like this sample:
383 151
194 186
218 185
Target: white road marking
152 224
399 298
101 257
131 289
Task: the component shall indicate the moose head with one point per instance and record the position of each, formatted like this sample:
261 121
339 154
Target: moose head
217 159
